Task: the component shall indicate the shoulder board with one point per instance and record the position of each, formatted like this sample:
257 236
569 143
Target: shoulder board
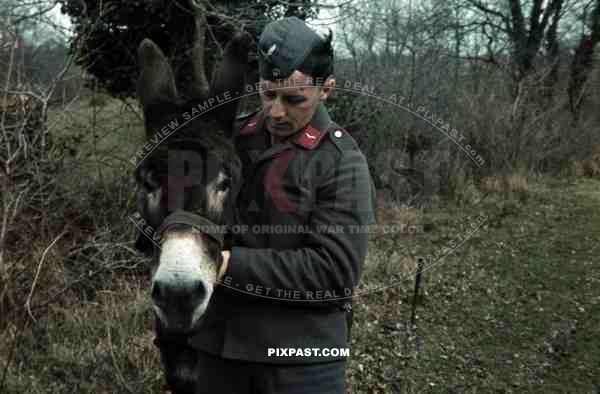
341 138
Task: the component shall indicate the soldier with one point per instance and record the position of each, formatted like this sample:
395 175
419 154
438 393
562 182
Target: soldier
286 281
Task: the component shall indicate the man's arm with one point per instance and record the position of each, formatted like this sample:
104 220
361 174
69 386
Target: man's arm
330 261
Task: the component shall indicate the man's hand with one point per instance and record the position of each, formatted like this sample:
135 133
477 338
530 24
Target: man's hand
226 254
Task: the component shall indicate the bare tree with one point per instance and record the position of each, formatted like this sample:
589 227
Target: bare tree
581 65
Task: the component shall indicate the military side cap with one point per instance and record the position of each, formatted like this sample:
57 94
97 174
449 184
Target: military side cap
283 46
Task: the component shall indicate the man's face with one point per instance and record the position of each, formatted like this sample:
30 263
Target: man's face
290 104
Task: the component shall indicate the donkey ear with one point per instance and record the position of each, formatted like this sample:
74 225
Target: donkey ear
156 82
230 75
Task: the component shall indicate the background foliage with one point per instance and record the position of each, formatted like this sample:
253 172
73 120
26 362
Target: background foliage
114 29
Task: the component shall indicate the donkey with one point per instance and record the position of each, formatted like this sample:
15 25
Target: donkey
188 210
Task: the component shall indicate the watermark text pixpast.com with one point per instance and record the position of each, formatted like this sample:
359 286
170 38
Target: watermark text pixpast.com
308 352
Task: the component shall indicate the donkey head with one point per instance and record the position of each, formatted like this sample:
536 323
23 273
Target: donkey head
184 180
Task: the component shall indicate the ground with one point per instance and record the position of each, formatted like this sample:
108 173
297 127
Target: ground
515 309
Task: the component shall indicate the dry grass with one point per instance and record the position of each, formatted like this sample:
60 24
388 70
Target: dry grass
589 167
514 183
389 214
102 345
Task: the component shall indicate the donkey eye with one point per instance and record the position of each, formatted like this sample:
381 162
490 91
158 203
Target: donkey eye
224 185
147 176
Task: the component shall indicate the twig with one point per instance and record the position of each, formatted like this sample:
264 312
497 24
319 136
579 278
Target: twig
114 360
36 14
27 93
416 293
132 110
37 274
4 102
15 343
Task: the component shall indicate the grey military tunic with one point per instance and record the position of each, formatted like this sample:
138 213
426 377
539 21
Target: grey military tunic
297 245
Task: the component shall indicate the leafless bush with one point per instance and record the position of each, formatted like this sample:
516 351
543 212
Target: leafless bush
63 236
463 62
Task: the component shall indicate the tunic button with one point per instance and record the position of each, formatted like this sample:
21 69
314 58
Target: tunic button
338 134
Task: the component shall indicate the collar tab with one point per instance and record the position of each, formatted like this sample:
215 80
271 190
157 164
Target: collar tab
252 125
310 137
